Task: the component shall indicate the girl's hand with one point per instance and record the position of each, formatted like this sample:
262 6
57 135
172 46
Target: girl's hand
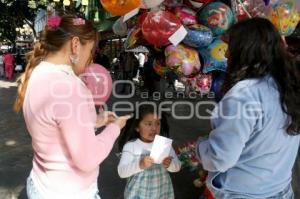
105 118
121 121
146 162
167 161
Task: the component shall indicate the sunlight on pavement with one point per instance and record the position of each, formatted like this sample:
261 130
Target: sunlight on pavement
8 84
10 143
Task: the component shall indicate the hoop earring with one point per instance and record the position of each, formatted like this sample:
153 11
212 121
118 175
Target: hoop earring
74 59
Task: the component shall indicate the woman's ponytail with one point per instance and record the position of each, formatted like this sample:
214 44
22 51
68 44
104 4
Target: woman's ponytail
33 59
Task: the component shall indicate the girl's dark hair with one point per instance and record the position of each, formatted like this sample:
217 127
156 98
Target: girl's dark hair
255 50
52 40
129 131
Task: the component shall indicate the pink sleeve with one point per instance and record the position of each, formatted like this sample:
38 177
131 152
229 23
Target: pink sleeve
75 115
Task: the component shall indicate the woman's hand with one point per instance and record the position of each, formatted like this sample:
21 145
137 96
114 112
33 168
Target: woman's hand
167 161
146 162
105 118
121 121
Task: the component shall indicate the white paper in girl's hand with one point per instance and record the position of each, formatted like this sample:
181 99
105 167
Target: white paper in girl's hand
161 148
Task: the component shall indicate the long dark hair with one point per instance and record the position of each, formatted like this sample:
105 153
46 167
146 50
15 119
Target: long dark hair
129 131
255 50
52 40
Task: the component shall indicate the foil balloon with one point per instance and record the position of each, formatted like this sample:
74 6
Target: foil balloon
159 26
198 36
186 15
285 17
99 82
245 9
182 60
120 7
217 16
146 4
120 28
200 83
214 56
159 67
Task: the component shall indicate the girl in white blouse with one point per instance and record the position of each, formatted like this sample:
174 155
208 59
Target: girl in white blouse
145 179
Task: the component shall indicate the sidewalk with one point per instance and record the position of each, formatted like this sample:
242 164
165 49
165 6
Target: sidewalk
16 153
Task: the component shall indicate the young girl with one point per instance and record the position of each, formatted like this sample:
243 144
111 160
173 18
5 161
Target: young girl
146 180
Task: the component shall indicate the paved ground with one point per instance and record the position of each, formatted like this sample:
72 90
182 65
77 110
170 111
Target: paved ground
16 154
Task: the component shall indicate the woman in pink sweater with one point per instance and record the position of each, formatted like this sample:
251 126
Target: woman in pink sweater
60 115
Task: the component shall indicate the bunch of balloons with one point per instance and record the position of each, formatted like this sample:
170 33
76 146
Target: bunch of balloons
200 51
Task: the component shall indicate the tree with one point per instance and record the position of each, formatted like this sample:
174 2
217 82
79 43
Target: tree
16 13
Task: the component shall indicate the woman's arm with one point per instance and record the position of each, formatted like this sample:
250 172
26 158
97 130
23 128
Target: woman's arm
76 118
236 117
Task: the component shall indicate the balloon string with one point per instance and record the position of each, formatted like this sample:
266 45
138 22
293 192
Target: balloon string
245 10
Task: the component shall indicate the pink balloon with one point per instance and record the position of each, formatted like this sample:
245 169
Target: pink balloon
99 82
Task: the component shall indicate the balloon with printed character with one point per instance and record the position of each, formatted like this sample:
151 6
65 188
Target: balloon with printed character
214 56
217 16
183 60
285 17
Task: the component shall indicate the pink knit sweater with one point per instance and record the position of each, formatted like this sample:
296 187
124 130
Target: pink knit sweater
60 117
